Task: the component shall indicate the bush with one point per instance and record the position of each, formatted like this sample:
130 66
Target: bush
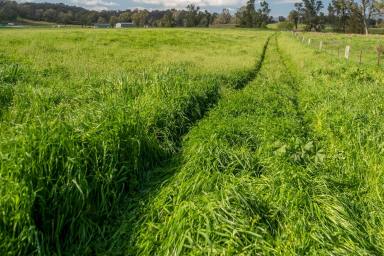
285 25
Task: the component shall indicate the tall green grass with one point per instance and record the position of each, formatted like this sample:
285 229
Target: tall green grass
290 165
277 157
74 167
218 202
362 48
344 103
72 148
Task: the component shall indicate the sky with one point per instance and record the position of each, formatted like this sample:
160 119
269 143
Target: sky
279 7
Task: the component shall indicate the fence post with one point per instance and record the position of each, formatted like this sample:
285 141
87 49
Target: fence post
379 50
347 50
360 56
321 45
309 41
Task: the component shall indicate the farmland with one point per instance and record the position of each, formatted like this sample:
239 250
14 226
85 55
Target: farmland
188 142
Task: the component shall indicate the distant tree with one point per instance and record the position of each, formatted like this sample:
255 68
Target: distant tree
281 19
65 17
368 8
192 16
294 17
167 20
91 18
263 14
351 16
125 16
224 17
285 25
101 20
38 14
339 14
50 15
309 11
355 22
8 11
204 19
139 17
113 20
248 16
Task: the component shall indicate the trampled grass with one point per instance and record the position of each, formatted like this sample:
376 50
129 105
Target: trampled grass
284 167
187 142
85 114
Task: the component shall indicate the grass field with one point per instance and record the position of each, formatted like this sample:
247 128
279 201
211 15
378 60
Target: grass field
187 142
362 48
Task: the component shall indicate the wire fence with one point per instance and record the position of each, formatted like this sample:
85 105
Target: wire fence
367 50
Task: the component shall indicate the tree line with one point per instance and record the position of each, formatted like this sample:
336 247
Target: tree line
347 16
192 16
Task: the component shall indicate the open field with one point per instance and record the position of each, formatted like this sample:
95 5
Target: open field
187 142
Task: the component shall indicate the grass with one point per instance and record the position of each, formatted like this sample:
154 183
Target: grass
361 46
78 135
188 142
276 168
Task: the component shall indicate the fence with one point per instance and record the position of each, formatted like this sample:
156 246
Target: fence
369 50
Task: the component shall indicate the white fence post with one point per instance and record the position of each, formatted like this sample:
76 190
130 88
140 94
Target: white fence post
347 51
309 41
321 45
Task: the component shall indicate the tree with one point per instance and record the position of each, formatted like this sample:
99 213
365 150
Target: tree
224 17
355 22
65 18
309 11
113 20
293 17
192 15
368 8
8 10
350 16
285 25
50 15
167 19
247 15
139 17
339 13
101 20
61 13
263 14
125 16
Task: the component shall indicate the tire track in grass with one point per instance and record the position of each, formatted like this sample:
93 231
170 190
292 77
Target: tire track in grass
338 226
249 180
219 201
314 215
165 171
69 200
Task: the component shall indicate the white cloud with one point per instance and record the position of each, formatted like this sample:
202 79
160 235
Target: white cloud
95 4
287 1
184 3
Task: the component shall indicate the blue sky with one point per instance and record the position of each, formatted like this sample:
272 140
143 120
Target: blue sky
279 7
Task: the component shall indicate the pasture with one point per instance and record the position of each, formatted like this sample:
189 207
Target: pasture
188 142
363 49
